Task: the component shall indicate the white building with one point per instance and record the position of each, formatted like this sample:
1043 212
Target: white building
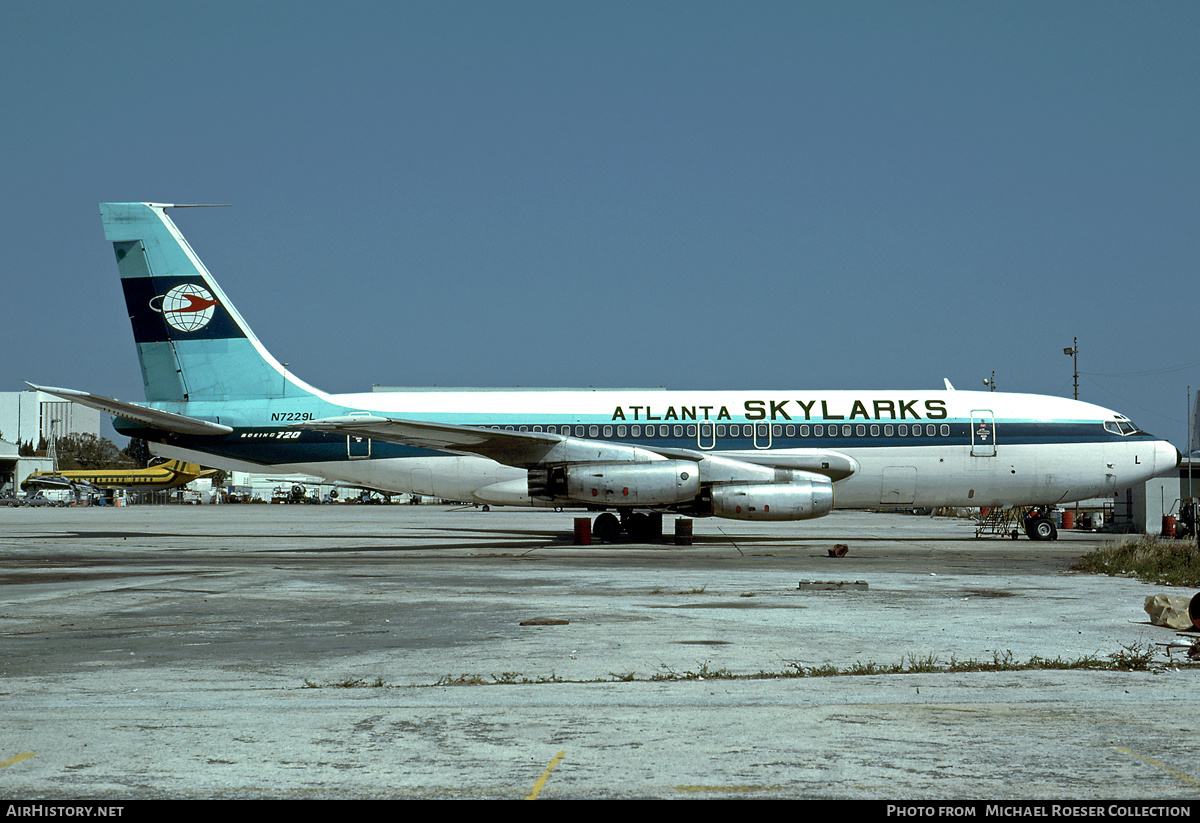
1164 495
29 417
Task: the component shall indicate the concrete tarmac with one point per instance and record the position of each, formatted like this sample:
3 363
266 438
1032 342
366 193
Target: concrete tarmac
380 652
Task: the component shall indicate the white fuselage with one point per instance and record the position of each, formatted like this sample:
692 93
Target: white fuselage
945 448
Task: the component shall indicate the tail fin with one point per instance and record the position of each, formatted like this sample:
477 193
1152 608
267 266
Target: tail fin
191 341
1194 435
180 468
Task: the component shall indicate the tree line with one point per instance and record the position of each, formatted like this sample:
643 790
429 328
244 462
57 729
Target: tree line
87 451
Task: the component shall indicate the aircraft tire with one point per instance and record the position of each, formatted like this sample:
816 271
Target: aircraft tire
1043 529
607 528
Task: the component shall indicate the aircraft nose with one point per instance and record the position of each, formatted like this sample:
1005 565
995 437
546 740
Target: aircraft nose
1166 456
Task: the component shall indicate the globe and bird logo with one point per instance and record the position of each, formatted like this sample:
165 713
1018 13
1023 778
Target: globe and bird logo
187 307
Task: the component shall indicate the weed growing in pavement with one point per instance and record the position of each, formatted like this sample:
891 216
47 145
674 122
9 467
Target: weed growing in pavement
1132 658
1152 559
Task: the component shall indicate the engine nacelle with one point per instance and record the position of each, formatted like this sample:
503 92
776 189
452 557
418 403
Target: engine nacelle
797 500
656 483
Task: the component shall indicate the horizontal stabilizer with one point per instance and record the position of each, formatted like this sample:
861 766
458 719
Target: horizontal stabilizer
139 414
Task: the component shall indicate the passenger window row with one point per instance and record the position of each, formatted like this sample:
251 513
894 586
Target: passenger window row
748 430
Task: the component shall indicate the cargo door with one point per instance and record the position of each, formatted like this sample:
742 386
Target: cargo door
899 486
358 448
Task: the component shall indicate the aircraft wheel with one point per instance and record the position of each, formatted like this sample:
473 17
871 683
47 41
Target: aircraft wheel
1043 529
607 527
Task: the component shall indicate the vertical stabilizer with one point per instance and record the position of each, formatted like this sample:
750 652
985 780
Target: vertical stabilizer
192 343
1194 434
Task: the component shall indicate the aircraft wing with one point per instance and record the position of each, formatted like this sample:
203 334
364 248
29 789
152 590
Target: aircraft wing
57 481
528 449
137 413
49 481
508 447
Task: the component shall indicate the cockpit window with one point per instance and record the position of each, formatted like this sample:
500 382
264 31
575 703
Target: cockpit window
1121 427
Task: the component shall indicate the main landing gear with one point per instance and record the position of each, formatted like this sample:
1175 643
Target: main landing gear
642 527
1040 527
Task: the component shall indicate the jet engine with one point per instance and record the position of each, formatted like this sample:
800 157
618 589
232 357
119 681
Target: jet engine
801 499
656 483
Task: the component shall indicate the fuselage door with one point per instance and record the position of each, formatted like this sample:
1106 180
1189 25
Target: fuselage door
358 447
762 435
706 434
983 433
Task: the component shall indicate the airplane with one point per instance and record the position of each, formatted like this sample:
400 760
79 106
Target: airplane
214 394
168 475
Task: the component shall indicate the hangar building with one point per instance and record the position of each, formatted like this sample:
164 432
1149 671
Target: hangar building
31 417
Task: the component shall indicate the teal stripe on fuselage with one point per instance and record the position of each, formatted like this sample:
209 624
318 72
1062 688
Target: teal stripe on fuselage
281 444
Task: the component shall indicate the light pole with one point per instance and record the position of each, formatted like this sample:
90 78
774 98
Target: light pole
990 383
1073 352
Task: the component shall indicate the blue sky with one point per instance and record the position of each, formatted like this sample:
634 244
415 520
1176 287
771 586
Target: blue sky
795 196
